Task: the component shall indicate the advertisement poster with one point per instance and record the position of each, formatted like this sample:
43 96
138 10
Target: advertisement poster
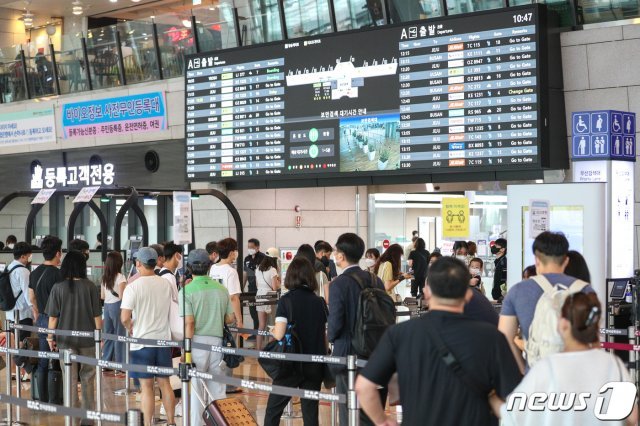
182 217
538 217
43 196
455 217
86 194
111 116
27 127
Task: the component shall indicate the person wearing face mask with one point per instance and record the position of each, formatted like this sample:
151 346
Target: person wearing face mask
477 306
227 275
251 263
370 258
418 261
499 249
19 277
460 251
11 242
323 253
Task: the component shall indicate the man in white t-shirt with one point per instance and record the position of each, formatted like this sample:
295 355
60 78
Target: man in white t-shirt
149 297
228 276
225 274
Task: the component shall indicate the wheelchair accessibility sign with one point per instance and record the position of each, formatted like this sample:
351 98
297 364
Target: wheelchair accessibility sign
455 217
581 123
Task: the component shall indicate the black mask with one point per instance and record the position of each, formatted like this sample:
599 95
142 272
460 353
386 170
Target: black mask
86 256
495 250
325 261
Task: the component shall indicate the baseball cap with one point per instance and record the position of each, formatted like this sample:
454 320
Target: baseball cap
273 252
147 256
198 256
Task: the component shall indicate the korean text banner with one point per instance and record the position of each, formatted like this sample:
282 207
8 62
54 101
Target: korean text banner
455 217
26 127
111 116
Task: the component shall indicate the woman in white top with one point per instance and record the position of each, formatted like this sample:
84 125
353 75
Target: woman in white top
574 378
111 291
267 281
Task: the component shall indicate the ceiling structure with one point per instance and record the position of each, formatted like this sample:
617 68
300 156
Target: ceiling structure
121 9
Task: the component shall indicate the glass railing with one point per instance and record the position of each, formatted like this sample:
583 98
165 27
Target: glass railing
138 51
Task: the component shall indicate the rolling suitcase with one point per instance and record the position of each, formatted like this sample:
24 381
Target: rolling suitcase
227 412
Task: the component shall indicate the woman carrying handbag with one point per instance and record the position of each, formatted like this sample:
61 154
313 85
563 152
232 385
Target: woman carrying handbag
303 313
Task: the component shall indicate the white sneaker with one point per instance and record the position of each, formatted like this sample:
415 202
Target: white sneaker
177 411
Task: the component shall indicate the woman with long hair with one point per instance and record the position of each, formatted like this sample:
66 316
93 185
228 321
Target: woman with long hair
309 253
582 367
74 304
267 281
111 291
306 313
388 268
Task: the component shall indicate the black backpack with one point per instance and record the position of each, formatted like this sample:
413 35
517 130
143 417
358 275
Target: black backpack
375 312
7 299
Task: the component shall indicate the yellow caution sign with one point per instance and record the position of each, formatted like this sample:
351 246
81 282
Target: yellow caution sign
455 217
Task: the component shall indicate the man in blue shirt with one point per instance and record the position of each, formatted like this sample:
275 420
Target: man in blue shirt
550 250
19 277
344 293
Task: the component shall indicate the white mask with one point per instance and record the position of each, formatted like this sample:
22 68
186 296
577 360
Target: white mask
181 263
474 271
251 252
461 257
30 259
10 246
369 263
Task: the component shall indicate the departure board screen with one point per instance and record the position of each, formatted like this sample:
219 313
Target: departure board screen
436 96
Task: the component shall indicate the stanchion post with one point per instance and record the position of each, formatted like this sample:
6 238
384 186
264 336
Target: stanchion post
186 382
7 329
127 379
352 402
16 343
134 418
66 383
632 354
97 337
333 409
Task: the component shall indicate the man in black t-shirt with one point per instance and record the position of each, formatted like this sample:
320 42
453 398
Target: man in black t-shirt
418 261
251 263
433 392
41 281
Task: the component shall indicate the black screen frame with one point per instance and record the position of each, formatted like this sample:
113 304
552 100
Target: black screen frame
553 147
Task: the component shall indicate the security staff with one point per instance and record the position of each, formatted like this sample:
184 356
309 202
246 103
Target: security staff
499 249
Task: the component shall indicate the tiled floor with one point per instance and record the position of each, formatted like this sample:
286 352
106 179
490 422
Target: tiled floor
254 400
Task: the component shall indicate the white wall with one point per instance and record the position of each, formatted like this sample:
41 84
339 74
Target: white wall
601 72
11 30
269 216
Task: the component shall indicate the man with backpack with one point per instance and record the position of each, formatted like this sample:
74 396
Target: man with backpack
534 304
41 281
346 313
447 363
14 288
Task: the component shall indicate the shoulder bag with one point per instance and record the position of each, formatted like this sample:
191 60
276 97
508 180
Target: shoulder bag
290 343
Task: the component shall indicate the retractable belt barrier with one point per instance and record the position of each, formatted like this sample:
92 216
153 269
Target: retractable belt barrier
63 411
620 346
615 331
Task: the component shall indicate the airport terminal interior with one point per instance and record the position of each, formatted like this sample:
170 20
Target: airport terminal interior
319 212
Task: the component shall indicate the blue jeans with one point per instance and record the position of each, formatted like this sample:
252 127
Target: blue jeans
113 325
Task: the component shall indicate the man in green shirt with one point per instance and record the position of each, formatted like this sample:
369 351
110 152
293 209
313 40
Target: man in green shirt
206 307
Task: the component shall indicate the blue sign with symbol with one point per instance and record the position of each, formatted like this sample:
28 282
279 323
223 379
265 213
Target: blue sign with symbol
616 123
581 146
629 124
599 144
581 123
607 135
600 122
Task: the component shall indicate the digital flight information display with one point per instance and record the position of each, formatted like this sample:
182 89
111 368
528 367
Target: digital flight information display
441 95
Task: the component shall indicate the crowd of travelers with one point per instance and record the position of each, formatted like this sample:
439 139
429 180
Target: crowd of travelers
456 364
